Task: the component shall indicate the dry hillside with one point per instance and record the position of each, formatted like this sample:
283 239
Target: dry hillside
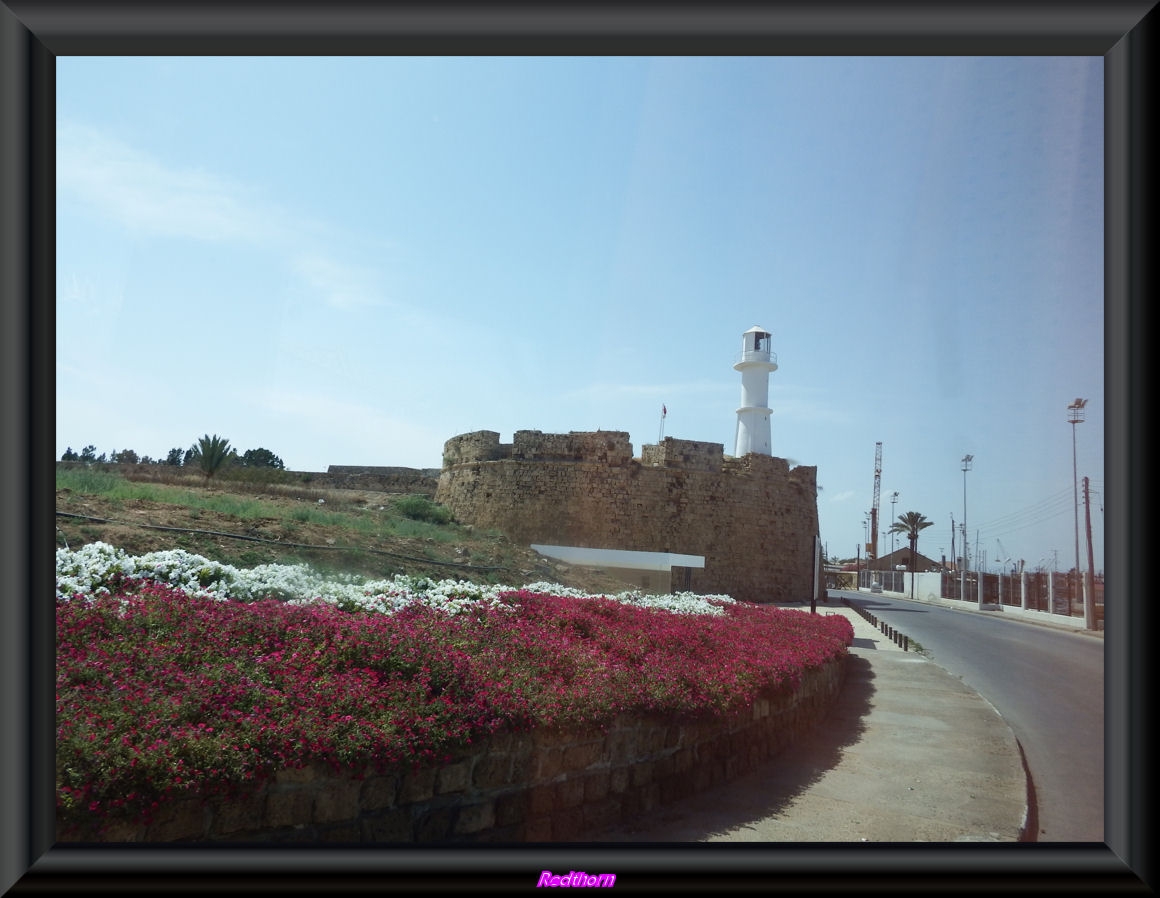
288 524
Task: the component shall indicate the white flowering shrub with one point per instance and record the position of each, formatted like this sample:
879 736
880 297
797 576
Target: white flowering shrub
677 603
96 568
88 570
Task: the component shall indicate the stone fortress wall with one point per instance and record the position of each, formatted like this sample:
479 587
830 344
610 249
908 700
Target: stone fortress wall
752 518
420 481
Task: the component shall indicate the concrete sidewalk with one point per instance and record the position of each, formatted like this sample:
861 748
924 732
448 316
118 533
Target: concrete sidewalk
907 753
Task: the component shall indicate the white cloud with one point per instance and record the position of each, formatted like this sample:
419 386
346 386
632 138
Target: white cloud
148 198
145 196
341 286
605 391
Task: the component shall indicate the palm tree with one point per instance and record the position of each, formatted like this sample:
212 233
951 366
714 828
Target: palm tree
211 453
910 524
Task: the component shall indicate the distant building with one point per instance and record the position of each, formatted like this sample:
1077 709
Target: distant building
900 559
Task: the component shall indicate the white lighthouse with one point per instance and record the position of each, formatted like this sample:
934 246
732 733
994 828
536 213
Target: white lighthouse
756 363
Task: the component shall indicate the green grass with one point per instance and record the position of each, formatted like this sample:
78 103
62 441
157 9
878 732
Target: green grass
408 529
413 517
308 514
94 482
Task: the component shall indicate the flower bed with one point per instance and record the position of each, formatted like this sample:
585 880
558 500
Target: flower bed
178 677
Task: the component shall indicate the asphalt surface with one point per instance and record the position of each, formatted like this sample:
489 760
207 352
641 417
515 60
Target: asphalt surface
907 753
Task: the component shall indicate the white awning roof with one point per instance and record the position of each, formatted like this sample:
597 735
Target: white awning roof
620 558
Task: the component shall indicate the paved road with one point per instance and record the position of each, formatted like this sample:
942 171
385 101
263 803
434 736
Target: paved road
1048 683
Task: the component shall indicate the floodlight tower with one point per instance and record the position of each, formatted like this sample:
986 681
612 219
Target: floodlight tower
893 499
872 548
755 363
1075 416
967 460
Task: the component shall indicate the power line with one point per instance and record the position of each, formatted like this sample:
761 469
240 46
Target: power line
1036 514
1041 510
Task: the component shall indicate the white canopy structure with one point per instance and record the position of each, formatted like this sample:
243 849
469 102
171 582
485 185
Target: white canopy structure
636 567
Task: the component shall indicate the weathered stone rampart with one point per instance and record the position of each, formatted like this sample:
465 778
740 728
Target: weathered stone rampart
380 479
752 518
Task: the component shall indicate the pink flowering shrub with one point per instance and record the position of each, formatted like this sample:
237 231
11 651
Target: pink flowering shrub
159 693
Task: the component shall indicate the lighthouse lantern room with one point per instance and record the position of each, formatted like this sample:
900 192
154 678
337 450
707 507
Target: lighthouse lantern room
756 362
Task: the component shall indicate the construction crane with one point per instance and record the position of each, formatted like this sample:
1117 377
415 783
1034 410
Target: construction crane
872 545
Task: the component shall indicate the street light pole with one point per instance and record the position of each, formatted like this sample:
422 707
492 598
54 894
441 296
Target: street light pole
967 460
893 499
1075 417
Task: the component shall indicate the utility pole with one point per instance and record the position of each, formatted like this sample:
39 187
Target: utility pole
1089 603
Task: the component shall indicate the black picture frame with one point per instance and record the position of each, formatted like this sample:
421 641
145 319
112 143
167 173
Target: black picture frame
34 32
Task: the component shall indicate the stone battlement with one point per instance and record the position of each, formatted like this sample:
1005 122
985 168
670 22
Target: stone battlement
686 454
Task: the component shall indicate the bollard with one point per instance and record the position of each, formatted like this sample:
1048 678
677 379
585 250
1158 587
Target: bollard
906 643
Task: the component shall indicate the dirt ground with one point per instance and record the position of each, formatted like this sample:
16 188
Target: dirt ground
139 526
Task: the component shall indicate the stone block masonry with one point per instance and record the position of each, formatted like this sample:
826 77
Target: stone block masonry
419 481
538 786
753 518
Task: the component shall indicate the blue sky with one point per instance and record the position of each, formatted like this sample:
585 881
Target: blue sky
351 260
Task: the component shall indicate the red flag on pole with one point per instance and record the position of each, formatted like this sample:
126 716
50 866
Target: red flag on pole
664 411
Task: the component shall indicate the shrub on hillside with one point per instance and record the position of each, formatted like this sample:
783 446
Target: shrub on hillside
420 508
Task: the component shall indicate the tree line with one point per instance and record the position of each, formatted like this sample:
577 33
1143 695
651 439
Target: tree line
209 454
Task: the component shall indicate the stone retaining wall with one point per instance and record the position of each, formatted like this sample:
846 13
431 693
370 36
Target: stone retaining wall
514 787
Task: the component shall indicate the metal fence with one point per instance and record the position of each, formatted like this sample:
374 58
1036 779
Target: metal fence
1058 593
884 581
